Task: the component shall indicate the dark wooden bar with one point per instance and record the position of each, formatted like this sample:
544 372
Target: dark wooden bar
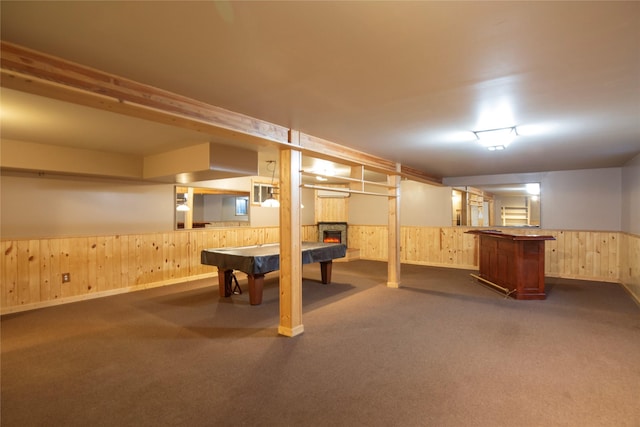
513 262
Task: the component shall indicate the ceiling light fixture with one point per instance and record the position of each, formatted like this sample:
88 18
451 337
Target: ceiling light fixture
181 204
496 139
533 188
271 201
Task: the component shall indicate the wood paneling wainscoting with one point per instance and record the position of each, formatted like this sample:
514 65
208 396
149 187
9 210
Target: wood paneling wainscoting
586 255
435 246
630 263
104 265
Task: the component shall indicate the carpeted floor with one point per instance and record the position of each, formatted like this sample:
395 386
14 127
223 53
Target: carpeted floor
442 350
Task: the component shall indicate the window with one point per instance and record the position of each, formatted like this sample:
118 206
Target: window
261 192
241 206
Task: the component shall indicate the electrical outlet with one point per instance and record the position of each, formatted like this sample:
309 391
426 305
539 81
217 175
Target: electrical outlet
66 277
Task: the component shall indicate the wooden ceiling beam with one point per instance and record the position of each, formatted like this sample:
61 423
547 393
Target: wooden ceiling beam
41 74
327 150
34 72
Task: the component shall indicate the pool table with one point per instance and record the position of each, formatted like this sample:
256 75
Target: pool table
258 260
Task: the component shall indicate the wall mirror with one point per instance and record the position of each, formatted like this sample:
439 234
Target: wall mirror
209 207
497 205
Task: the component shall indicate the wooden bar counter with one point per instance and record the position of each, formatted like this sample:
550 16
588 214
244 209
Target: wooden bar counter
513 262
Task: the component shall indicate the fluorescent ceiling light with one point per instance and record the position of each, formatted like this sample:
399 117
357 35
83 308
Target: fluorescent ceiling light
496 139
533 188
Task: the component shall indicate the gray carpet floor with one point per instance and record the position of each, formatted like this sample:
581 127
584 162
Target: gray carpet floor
443 350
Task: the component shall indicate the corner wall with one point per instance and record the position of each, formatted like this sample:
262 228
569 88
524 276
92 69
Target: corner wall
630 264
631 196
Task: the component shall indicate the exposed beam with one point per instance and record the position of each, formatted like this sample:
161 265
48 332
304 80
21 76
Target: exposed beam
41 74
38 73
416 175
323 149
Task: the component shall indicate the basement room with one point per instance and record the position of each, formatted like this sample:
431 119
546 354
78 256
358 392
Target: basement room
320 213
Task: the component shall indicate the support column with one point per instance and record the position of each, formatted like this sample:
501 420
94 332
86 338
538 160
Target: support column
393 267
188 215
290 241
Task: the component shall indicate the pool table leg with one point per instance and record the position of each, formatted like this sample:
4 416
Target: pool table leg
325 271
256 285
224 282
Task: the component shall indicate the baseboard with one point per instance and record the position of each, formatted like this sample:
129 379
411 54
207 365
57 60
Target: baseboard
633 296
352 254
128 289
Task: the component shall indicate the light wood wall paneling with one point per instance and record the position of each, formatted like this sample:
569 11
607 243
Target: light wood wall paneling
448 246
9 273
574 254
588 255
630 264
310 233
45 270
122 249
332 209
371 240
194 241
32 269
103 265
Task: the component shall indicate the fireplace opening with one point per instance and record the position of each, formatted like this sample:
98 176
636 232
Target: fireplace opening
332 236
332 232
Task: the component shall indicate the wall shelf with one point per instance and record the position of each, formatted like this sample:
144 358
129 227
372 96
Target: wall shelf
512 215
346 179
352 180
345 190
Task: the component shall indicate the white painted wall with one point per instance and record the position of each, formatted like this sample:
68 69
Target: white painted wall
631 196
48 206
424 205
308 212
368 210
34 206
582 200
420 205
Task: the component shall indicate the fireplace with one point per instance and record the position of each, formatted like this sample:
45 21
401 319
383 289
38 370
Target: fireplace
332 232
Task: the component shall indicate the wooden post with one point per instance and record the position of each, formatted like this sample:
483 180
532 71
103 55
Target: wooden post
188 215
463 207
393 268
290 241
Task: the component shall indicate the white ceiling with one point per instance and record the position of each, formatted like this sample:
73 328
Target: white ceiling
407 81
